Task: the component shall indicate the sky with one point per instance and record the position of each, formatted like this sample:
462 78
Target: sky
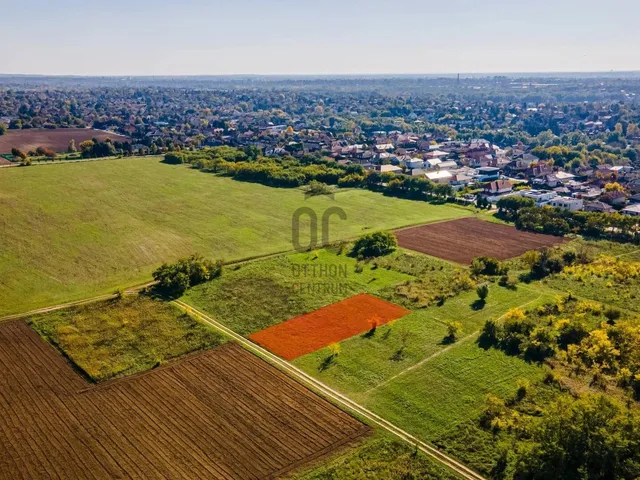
213 37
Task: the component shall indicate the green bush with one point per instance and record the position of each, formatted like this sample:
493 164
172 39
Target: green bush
173 280
374 245
173 158
488 266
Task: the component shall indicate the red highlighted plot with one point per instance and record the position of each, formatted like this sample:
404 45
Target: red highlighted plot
333 323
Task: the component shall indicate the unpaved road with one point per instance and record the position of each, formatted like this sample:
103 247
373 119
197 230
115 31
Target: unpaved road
334 395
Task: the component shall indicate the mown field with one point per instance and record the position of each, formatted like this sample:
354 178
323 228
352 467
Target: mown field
72 231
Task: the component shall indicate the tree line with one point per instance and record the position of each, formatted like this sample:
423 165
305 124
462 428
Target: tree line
248 165
561 221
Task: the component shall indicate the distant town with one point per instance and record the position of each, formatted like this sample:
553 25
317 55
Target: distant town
570 141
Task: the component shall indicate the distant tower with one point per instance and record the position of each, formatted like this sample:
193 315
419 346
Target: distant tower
458 80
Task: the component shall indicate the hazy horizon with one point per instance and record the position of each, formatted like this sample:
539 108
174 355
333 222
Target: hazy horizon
356 38
339 75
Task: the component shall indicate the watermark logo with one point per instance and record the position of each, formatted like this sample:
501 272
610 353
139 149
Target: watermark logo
313 226
319 278
316 277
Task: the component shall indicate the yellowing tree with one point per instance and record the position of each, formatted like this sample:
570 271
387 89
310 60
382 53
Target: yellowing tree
614 186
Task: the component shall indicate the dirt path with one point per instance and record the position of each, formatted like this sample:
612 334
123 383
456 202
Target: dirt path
60 306
335 396
440 352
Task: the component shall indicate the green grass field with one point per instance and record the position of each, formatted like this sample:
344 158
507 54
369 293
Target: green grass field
366 363
82 229
120 337
450 389
381 457
427 387
256 295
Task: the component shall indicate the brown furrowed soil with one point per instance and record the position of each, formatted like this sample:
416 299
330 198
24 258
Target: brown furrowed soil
464 239
222 414
56 139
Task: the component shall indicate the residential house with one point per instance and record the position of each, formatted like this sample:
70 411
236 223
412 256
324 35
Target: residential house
631 210
516 168
494 191
615 198
634 186
499 187
541 197
389 169
448 165
540 170
599 207
487 174
415 163
573 204
384 147
436 154
565 177
441 176
460 180
432 163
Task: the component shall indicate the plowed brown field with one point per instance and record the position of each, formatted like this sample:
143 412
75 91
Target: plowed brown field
467 238
223 414
315 330
57 139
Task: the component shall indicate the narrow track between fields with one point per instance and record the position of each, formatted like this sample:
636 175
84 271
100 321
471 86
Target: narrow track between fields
334 395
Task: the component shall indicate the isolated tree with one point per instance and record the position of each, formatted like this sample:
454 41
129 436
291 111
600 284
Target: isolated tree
454 329
18 153
72 146
483 292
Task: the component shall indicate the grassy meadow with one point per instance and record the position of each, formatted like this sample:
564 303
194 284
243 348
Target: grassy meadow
83 229
381 457
121 337
366 363
256 295
407 370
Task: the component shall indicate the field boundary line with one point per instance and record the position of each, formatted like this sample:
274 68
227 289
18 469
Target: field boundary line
98 298
445 349
334 395
240 261
423 361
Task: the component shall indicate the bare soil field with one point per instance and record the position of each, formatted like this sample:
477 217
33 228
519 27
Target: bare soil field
57 139
223 414
333 323
464 239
